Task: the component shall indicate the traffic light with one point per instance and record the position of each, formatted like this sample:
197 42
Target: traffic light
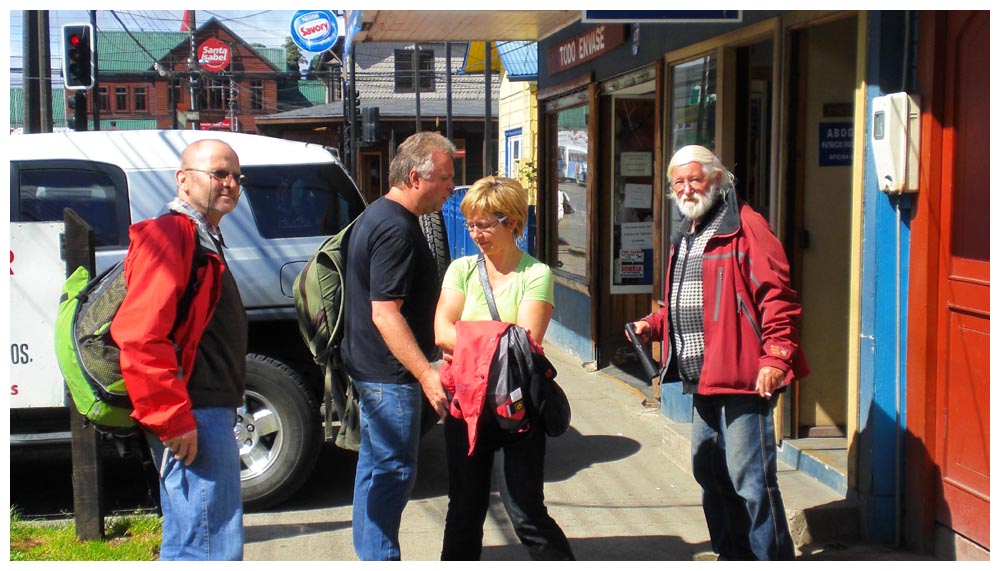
356 115
78 56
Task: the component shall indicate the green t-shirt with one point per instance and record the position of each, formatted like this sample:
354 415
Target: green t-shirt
532 281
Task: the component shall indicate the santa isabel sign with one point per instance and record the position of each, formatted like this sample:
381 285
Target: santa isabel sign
585 47
213 55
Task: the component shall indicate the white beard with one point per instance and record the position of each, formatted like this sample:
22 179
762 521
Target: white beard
699 205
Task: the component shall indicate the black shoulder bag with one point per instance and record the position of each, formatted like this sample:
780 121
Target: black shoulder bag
546 399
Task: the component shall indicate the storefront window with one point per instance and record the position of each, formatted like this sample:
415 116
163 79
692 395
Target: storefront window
571 187
692 107
692 122
632 227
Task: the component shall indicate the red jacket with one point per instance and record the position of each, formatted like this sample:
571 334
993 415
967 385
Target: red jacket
155 370
751 314
465 376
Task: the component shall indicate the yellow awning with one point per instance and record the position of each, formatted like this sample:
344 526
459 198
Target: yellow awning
475 60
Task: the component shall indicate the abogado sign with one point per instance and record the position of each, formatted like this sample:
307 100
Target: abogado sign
214 55
314 30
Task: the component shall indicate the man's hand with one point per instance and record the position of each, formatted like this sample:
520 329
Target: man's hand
184 447
641 329
769 380
430 382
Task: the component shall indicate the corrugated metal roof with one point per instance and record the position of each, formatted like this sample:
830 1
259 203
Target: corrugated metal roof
517 57
119 53
125 124
276 56
520 59
59 114
313 90
17 106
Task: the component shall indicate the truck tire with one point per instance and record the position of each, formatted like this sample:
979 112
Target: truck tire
277 431
437 238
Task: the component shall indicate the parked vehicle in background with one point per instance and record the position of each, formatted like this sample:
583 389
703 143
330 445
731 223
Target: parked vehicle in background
298 194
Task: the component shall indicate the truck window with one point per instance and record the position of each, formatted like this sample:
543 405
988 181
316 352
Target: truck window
45 193
300 200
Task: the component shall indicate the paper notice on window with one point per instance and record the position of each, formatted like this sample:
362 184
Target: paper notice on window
636 164
631 264
631 256
637 236
638 196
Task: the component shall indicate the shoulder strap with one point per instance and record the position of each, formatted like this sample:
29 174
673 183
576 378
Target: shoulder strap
193 285
485 279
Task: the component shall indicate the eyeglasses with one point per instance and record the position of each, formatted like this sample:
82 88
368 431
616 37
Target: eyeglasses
224 175
695 183
485 228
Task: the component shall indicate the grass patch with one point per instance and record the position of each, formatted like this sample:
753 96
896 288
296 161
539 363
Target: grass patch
132 537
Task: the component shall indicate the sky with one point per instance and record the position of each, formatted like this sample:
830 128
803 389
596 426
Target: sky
268 27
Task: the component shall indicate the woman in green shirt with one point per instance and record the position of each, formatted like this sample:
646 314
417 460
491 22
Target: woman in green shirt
496 210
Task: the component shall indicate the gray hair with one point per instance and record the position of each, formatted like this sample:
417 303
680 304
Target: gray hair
417 153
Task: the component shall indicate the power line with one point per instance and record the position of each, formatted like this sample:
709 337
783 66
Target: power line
137 42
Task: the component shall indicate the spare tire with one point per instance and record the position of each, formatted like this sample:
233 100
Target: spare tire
437 239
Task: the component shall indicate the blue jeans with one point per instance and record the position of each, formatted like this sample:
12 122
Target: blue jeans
387 465
734 459
201 503
521 475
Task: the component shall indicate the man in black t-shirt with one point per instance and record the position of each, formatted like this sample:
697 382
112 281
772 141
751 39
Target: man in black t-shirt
391 294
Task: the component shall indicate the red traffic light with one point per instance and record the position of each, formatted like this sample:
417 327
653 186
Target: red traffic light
78 56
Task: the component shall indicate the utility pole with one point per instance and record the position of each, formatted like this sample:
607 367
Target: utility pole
194 72
95 94
31 72
416 81
345 144
447 90
488 124
353 157
232 102
44 73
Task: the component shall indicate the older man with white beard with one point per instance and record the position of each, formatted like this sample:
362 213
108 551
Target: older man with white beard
730 333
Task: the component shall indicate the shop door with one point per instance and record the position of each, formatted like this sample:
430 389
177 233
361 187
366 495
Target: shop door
962 384
820 238
626 266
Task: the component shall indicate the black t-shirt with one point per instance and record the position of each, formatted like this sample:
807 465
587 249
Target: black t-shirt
387 259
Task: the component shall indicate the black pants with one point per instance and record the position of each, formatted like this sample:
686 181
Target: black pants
521 475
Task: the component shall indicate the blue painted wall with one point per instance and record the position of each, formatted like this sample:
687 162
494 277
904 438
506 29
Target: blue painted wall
570 325
674 404
882 365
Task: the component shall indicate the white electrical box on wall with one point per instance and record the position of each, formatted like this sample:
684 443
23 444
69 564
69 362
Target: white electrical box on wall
896 142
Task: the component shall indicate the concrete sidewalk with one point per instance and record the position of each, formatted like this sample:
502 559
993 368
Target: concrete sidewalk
618 482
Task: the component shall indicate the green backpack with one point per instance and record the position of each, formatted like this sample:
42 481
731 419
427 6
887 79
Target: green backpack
88 357
319 301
